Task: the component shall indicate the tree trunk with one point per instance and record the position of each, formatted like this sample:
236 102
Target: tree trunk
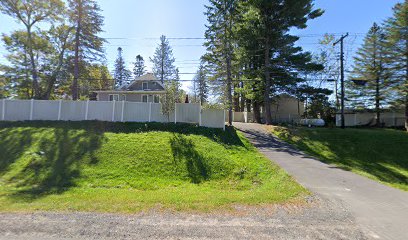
257 111
75 95
36 87
377 102
406 112
242 103
267 101
248 105
236 99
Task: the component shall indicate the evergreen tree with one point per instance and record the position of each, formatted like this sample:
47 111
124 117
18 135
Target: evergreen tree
369 67
221 16
121 74
86 17
163 61
200 86
272 21
139 67
396 28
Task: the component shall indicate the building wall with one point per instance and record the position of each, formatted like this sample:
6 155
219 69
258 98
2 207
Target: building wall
151 85
130 97
285 105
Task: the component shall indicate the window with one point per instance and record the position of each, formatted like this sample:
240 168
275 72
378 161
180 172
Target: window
113 97
156 98
145 86
144 98
124 97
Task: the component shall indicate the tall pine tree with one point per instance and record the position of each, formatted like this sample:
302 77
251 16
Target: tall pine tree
139 67
396 28
200 86
163 61
274 19
85 16
370 69
221 16
121 74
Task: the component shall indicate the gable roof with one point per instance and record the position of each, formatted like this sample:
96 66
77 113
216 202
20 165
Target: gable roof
144 78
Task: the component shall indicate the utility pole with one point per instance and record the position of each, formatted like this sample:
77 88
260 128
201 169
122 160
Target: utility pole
341 41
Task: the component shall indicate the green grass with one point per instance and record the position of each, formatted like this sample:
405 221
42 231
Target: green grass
132 167
380 154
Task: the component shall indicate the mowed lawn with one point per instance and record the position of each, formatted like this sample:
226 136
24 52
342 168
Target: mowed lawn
380 154
132 167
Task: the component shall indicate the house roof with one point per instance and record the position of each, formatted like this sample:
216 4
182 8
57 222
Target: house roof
144 78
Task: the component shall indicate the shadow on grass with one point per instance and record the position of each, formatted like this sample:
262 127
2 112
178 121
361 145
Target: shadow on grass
13 143
227 138
184 153
379 153
55 163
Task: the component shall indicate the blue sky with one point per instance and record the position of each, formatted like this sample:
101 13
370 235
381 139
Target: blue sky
139 24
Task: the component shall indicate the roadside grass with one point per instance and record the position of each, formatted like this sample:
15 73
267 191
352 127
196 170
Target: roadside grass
380 154
133 167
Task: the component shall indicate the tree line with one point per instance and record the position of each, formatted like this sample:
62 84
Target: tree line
379 76
252 58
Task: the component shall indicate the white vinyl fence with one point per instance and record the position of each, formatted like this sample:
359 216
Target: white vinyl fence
387 119
115 111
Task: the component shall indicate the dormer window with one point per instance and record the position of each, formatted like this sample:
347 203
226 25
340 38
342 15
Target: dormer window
145 86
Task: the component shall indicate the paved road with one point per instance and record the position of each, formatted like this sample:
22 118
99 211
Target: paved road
381 211
324 221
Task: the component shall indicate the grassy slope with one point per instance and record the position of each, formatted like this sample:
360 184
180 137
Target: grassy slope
380 154
94 166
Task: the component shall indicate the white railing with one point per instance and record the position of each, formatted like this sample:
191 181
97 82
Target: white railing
115 111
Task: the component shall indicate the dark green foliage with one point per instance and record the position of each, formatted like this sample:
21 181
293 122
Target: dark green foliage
139 67
163 61
200 86
86 18
397 54
121 74
370 66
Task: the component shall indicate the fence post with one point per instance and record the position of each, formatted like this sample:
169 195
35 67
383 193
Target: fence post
31 109
113 110
175 113
86 110
150 111
59 109
123 110
3 110
355 119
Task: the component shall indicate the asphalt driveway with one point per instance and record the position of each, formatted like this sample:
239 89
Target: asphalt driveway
380 211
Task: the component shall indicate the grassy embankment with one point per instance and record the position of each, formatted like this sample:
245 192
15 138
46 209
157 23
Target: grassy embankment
380 154
132 167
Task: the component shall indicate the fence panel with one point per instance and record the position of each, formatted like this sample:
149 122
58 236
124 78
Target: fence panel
188 112
213 118
119 105
45 110
73 110
158 116
22 110
17 110
136 112
101 111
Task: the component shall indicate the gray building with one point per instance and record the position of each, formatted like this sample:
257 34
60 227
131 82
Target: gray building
146 88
